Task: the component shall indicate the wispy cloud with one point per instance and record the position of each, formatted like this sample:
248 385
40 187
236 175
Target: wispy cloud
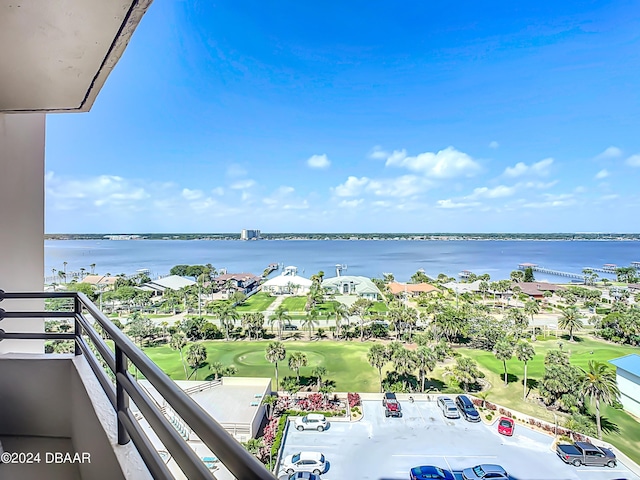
318 161
634 160
609 153
496 192
242 184
540 168
191 194
494 144
449 203
604 173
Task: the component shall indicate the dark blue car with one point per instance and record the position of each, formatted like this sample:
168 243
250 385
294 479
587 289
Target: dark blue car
430 472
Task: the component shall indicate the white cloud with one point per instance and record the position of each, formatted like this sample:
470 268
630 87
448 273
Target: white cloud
538 185
604 173
447 163
452 204
191 194
540 168
352 187
634 160
218 191
285 190
494 144
296 206
609 153
242 184
377 153
234 171
403 186
351 203
318 161
496 192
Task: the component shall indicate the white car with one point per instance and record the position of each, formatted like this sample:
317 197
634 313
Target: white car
449 409
484 472
312 421
313 462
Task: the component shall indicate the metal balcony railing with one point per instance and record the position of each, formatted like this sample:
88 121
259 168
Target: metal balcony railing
232 454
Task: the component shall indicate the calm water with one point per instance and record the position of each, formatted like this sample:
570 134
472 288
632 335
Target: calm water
368 258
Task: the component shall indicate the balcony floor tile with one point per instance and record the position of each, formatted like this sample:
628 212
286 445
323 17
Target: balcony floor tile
42 470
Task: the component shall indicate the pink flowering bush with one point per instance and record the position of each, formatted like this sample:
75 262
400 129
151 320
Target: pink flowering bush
354 399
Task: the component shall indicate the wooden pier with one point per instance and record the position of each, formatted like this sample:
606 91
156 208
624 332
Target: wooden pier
537 268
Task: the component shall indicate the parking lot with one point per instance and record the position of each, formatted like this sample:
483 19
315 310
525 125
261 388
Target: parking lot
380 448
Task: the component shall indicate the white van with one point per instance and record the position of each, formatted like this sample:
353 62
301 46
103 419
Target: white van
312 421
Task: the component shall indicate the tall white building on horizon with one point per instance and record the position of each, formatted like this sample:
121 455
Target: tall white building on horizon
249 234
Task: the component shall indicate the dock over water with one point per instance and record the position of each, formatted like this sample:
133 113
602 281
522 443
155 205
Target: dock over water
537 268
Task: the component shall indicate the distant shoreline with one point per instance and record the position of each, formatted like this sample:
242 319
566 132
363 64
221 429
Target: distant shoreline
359 236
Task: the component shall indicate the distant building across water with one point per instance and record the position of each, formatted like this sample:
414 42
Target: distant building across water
249 234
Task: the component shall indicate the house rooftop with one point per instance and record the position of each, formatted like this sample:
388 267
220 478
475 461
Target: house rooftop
629 363
396 288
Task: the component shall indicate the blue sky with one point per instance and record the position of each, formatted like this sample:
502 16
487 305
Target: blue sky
359 116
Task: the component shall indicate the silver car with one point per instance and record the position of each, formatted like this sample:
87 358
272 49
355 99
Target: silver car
313 462
448 407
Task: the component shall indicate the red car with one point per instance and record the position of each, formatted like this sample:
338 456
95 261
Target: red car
506 426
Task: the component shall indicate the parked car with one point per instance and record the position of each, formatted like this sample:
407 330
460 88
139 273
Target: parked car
506 426
468 411
391 405
303 475
584 453
430 472
312 421
289 327
448 407
313 462
485 470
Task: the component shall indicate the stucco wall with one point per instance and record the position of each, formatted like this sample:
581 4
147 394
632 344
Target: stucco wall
22 221
629 386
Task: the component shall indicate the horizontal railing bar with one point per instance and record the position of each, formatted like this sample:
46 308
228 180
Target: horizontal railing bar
36 336
232 454
35 295
102 377
182 453
37 314
105 352
155 464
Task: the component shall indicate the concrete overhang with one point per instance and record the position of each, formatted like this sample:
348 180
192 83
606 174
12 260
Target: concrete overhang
55 55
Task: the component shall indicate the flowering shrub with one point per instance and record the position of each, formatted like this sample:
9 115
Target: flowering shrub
354 399
477 402
490 406
270 432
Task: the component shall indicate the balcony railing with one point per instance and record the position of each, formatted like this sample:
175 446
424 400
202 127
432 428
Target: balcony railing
234 456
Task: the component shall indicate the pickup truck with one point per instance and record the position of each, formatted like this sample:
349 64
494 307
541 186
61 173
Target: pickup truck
583 453
391 405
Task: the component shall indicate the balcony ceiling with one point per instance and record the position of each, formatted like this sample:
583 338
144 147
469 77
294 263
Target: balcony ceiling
55 55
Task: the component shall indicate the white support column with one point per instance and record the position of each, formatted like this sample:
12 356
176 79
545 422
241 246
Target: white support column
22 221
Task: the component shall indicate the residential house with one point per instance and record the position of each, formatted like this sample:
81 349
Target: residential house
239 282
363 287
411 289
536 290
171 282
628 378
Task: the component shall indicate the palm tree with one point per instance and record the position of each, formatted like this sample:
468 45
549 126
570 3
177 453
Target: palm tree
178 341
483 287
571 320
532 307
599 383
269 401
378 357
275 353
196 356
297 360
503 352
404 362
217 368
524 352
279 317
426 361
311 319
319 372
465 371
341 312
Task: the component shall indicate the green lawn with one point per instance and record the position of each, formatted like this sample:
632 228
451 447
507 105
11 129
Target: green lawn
346 363
580 353
379 307
256 303
294 304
